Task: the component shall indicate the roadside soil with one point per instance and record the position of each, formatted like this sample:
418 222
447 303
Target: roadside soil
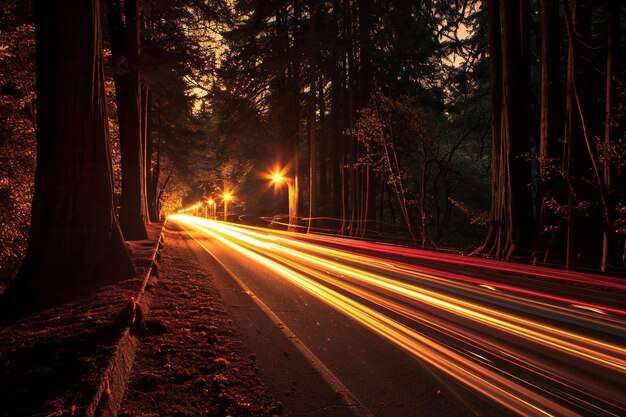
51 360
193 363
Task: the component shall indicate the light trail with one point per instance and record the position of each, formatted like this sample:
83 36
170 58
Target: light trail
546 356
551 274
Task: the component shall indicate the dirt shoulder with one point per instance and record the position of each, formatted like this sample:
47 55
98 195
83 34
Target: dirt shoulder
51 361
194 363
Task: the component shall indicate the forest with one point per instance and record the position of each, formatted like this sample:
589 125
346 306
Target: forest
484 127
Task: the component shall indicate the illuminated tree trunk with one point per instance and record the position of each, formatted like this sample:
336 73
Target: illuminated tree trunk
125 48
75 241
156 176
146 145
152 171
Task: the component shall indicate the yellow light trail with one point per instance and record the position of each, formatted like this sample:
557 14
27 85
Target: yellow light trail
356 290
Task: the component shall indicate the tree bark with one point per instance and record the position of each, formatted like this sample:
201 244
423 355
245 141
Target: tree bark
323 145
352 186
75 241
125 41
512 210
515 130
335 140
294 120
551 123
492 241
581 235
365 89
151 170
610 253
312 160
312 123
146 147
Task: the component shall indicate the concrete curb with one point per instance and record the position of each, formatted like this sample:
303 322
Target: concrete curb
112 382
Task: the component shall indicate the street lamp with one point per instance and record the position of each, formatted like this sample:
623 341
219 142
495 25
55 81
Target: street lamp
277 179
226 197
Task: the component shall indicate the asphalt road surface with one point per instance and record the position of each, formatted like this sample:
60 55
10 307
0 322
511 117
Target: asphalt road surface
343 327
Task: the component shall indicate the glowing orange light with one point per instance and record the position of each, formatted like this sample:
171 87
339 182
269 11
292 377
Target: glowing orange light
227 196
277 175
211 201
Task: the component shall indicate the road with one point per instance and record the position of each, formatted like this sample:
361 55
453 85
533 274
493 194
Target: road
400 332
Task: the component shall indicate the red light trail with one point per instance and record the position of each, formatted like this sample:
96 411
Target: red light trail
530 352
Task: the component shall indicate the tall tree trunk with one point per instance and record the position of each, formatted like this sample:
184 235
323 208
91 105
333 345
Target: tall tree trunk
365 89
323 146
365 60
151 170
515 128
312 119
156 176
281 105
336 140
381 208
312 159
551 132
352 186
145 144
492 241
347 172
75 242
125 48
133 210
580 157
512 206
610 254
295 108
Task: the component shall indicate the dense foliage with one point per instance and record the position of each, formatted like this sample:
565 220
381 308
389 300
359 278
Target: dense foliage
17 131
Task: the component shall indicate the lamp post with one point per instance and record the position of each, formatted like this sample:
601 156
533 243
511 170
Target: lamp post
277 179
226 197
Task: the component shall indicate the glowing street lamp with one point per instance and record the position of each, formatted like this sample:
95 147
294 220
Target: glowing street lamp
226 197
277 179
